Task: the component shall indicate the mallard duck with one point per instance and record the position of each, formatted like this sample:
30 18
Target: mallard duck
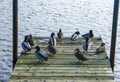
31 41
52 39
79 55
87 36
51 49
60 35
101 49
75 36
86 44
25 44
42 56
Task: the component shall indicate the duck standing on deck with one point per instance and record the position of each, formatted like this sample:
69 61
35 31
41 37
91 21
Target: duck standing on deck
51 49
52 44
31 41
79 55
41 55
87 37
52 40
60 35
25 44
74 37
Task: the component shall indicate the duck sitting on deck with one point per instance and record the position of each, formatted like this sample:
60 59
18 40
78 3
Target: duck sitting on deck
101 49
25 44
79 55
51 49
41 55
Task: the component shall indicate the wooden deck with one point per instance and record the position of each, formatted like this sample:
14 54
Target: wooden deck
63 67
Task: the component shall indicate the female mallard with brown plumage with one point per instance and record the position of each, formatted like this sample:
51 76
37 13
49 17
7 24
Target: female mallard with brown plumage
51 49
79 55
60 35
101 49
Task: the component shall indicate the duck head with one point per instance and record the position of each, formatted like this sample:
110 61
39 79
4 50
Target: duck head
77 49
37 48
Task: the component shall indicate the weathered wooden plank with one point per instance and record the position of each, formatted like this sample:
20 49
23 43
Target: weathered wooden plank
39 80
58 53
68 59
67 56
69 45
63 78
66 39
61 74
92 44
92 49
100 68
94 57
58 69
61 53
64 62
68 71
64 51
68 53
70 48
44 65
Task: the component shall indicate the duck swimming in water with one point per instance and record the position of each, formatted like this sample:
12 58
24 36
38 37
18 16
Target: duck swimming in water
79 55
41 55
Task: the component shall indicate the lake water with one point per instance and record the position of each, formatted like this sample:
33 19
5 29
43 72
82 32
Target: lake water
41 17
